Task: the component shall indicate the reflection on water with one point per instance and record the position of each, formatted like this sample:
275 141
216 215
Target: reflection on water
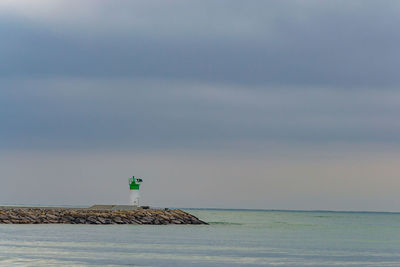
233 238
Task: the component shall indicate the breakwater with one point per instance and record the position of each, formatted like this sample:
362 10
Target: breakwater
39 215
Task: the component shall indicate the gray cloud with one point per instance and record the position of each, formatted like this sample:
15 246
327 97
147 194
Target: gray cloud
325 44
130 114
300 98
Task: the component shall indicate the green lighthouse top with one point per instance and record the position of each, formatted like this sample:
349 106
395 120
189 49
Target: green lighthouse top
134 183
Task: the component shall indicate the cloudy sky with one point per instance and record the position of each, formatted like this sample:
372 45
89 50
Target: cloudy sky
227 104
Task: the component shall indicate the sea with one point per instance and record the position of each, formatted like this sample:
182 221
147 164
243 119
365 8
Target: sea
232 238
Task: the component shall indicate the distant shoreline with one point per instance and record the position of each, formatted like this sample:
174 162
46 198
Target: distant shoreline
290 210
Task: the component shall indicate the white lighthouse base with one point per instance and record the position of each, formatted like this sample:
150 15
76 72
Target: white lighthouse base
134 199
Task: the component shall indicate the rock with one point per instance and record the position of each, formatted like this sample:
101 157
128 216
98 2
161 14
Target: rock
147 219
118 220
51 217
13 217
101 219
95 216
164 217
134 221
93 220
80 220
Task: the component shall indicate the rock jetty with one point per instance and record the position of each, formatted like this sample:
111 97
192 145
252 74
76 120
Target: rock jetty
38 215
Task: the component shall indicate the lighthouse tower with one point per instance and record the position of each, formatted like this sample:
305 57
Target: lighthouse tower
134 184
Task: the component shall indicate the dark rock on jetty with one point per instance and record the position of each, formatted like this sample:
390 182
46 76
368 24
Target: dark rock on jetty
36 215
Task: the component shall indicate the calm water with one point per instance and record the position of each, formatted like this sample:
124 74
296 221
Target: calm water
283 238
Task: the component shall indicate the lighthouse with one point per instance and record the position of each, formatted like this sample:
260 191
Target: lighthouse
134 184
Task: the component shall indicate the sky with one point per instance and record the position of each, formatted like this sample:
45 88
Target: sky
215 104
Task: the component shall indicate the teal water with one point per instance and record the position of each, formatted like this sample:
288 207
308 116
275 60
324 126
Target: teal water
234 237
